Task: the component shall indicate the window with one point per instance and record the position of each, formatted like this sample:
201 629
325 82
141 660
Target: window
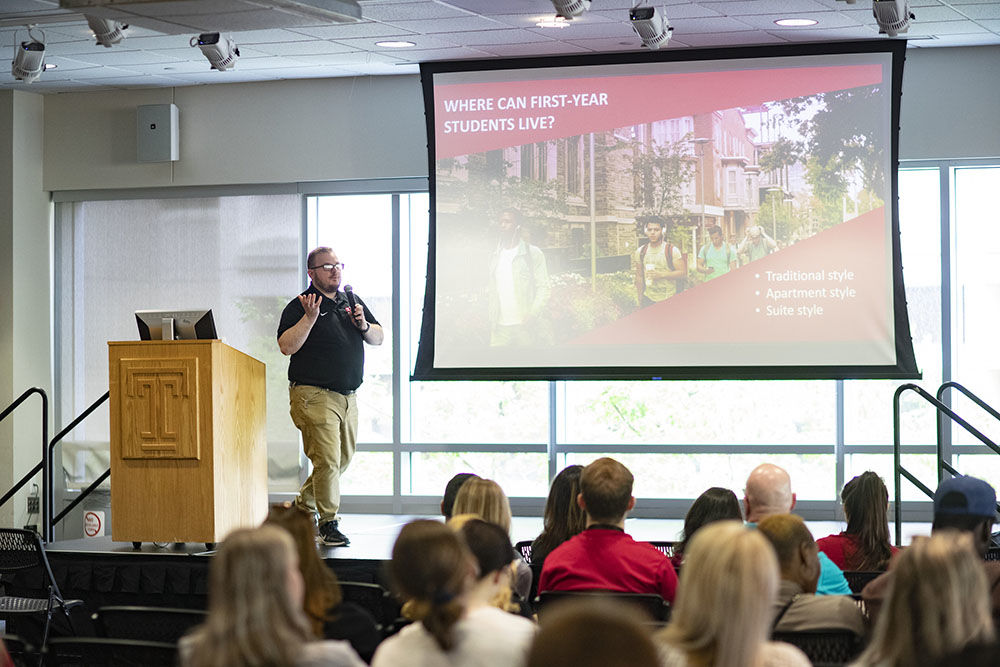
243 257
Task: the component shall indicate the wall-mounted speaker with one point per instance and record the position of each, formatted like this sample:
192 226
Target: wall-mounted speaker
157 136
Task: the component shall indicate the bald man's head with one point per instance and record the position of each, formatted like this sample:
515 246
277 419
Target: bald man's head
768 491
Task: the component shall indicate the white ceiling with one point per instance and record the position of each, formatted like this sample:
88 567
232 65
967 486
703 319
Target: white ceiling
449 30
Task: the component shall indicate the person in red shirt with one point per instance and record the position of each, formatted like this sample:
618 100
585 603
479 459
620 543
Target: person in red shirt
604 557
865 544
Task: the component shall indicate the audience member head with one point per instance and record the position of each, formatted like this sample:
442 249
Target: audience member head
322 592
593 633
432 569
715 504
798 555
966 504
866 506
255 601
723 610
768 491
491 548
606 491
937 604
451 490
485 499
564 517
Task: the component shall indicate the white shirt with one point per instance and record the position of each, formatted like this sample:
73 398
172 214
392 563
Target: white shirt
484 637
772 654
510 314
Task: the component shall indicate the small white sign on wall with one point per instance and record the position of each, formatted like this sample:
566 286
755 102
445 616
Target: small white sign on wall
93 523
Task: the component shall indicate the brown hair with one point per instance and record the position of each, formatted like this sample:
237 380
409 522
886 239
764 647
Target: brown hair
866 503
606 486
431 567
322 591
593 633
563 516
485 499
252 618
786 533
317 251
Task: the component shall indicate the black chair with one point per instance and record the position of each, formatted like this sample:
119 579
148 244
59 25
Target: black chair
104 652
155 624
858 579
376 600
524 548
21 652
992 553
666 547
824 647
22 550
651 604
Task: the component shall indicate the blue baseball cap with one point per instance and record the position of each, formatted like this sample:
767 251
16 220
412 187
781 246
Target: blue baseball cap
965 495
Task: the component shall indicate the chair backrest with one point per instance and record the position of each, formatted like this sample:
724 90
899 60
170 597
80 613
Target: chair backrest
993 553
99 651
824 647
652 604
375 599
157 624
666 547
524 548
858 579
23 550
19 550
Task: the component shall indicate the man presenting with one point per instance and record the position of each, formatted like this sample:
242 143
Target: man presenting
325 337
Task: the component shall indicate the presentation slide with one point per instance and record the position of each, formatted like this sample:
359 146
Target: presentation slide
707 213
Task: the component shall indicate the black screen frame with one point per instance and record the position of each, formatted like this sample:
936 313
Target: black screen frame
905 367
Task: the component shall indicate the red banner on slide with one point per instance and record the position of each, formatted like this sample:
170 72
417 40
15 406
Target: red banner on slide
477 117
850 302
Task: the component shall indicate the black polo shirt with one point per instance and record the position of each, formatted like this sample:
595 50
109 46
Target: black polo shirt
333 355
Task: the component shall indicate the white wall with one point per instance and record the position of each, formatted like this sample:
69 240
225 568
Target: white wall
951 102
272 132
373 127
25 239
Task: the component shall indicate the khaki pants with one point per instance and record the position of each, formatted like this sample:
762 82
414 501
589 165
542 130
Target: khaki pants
329 425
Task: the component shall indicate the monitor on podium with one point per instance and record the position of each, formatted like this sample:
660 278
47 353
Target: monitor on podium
196 324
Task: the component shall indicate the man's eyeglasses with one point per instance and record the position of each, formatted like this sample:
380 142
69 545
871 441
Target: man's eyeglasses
328 267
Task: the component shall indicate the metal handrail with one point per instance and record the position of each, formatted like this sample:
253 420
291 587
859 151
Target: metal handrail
45 439
52 445
46 464
942 409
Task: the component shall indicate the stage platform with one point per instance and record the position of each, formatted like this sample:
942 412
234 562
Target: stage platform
102 572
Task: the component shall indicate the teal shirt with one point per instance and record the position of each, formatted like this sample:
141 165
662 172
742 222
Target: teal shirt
717 258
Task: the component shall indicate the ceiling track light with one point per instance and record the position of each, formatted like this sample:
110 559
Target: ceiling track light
220 51
29 57
653 29
569 9
892 16
106 31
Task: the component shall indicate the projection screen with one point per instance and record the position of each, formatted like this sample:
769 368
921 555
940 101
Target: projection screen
687 214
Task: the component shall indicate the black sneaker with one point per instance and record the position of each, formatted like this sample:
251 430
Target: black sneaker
330 535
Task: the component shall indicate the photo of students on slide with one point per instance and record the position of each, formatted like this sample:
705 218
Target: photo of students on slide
519 285
658 265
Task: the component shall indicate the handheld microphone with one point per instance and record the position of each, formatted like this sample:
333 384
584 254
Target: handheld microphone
351 300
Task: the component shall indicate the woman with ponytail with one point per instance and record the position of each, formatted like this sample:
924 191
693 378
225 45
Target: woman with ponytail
435 572
865 544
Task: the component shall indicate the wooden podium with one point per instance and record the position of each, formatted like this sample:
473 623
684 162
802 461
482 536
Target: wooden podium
188 442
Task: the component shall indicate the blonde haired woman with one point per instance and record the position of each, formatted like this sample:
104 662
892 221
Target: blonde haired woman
485 499
938 603
456 625
723 610
255 615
